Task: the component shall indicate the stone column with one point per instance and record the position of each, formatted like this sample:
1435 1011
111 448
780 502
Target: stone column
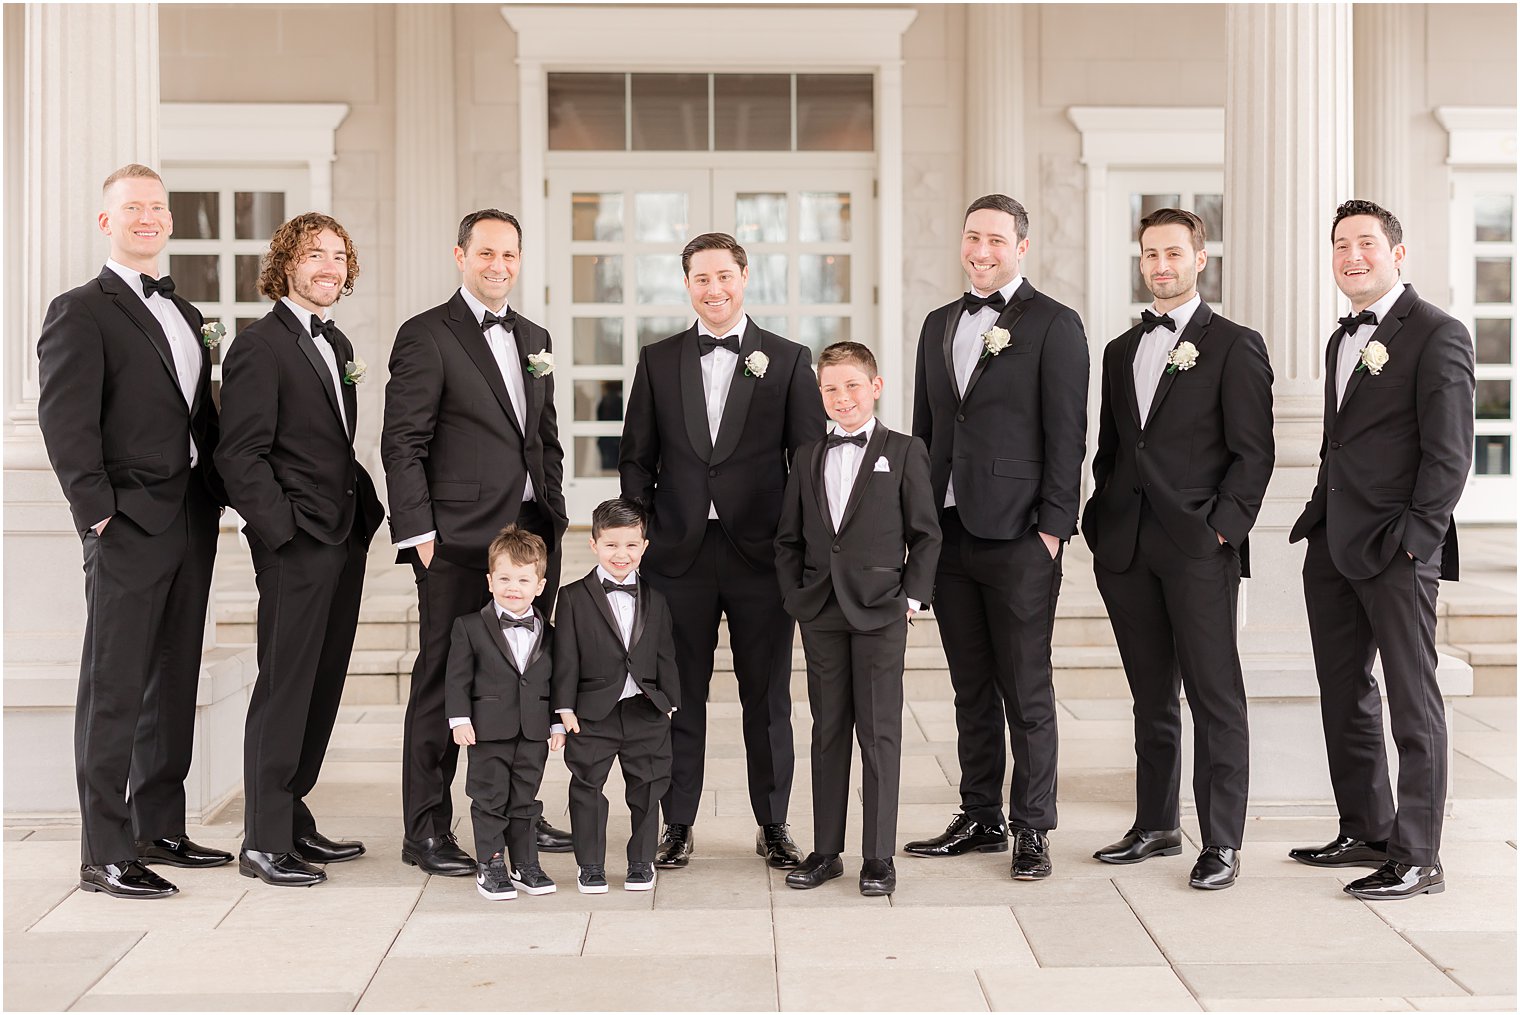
1390 73
427 207
994 75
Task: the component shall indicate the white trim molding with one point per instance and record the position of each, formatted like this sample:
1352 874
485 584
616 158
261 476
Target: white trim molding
255 133
1150 135
1478 135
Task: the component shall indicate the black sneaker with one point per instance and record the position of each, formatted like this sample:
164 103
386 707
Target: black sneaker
591 879
530 878
640 877
492 880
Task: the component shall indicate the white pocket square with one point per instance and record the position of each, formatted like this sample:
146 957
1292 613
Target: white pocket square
881 464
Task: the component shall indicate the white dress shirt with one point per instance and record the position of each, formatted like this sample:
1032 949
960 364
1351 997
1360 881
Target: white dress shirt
521 641
184 344
329 355
718 369
1355 341
1155 347
967 348
841 467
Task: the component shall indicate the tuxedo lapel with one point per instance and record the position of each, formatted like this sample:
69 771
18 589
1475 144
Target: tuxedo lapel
141 316
1194 332
1387 329
540 635
493 628
740 392
533 388
863 474
1007 320
640 615
345 354
203 373
1126 379
467 331
820 483
693 399
308 348
955 312
603 603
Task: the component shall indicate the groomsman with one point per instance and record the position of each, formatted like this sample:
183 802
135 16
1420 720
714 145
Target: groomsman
1184 455
1397 446
289 413
1000 398
470 446
127 417
714 417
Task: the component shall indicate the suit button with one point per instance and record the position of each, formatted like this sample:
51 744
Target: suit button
836 547
1135 489
349 492
1335 489
523 681
1335 445
1140 445
960 417
712 472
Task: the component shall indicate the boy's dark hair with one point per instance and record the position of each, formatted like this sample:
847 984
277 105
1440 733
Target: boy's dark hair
713 241
467 224
618 513
1391 227
1175 217
1006 205
521 547
848 352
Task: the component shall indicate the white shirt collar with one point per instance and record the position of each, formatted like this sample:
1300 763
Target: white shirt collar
1386 301
1181 315
303 316
738 329
502 611
478 308
131 276
1007 290
867 428
606 575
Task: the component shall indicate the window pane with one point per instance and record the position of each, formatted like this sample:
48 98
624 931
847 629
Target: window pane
1210 208
1493 399
760 218
655 329
660 218
587 112
245 278
598 278
824 278
774 323
600 401
596 457
659 279
596 217
1141 205
1494 218
598 341
753 112
1494 338
197 277
197 214
1211 282
835 112
823 218
818 332
257 214
1495 279
1137 291
767 279
670 113
1491 455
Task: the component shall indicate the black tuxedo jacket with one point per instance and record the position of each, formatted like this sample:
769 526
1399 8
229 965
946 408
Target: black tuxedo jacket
112 414
1203 458
285 455
889 515
669 464
484 683
455 456
1015 439
591 666
1395 454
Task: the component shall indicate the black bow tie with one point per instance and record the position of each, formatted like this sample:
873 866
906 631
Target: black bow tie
153 285
508 319
507 622
1353 321
835 439
609 586
972 302
1150 322
323 329
707 343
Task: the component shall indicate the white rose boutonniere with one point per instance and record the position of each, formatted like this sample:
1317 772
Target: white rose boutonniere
995 341
540 364
756 363
354 371
1182 357
212 334
1374 358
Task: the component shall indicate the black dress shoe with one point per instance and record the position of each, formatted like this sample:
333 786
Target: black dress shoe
1031 855
1396 880
318 848
1216 868
774 842
878 877
179 851
285 870
1140 845
1343 851
439 854
962 836
130 880
675 847
551 839
815 870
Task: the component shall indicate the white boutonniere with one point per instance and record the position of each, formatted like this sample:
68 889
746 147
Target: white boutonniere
995 341
354 371
212 334
540 364
756 363
1182 357
1374 358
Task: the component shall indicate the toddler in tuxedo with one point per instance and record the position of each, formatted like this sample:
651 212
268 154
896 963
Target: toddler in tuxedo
615 687
856 552
496 692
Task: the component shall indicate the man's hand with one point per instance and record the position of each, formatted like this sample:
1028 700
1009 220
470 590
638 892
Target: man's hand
464 735
100 526
1052 543
570 722
425 554
1221 537
556 741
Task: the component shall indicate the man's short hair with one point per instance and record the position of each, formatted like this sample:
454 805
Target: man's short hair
289 245
618 513
848 352
520 547
1006 205
1391 227
467 224
713 241
130 171
1175 217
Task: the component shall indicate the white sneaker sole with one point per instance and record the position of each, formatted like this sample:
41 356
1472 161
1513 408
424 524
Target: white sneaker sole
588 889
640 886
522 887
506 896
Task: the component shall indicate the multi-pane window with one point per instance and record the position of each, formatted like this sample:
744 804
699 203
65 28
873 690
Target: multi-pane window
1204 199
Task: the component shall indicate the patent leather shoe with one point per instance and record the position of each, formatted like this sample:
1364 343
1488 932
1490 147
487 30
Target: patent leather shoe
1031 855
438 854
1396 880
179 851
318 848
774 842
1343 851
962 835
130 880
284 870
675 847
815 870
878 877
1217 867
551 839
1138 845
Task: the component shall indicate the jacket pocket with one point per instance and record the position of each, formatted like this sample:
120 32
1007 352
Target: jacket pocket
889 570
486 697
123 463
454 491
1017 468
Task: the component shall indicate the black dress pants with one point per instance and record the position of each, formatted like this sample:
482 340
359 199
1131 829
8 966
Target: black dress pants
503 783
637 734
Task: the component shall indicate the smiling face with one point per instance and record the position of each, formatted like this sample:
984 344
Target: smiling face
1169 265
715 283
514 586
619 549
1366 265
849 394
991 249
137 220
316 278
490 263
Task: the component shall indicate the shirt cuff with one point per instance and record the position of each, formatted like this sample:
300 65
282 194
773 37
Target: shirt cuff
562 711
557 728
915 605
98 524
461 721
407 544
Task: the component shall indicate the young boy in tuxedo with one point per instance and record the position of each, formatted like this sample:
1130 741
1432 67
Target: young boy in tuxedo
496 691
615 687
855 553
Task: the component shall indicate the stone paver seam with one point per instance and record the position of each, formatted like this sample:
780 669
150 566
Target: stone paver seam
1445 971
586 931
1170 963
391 944
80 996
1479 762
241 896
981 985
